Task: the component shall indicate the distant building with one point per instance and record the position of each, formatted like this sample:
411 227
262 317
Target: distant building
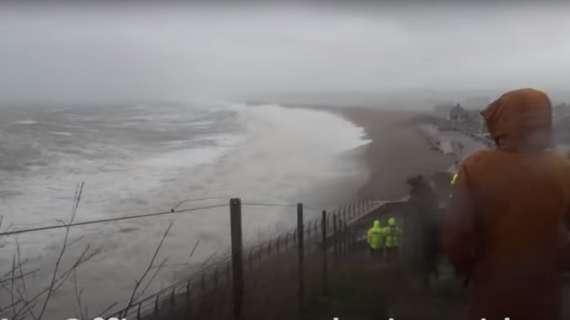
443 108
561 111
562 130
561 119
458 114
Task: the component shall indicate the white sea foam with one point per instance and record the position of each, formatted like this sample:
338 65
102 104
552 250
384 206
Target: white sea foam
281 154
61 133
26 122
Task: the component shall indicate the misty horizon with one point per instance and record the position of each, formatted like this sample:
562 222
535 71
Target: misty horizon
114 52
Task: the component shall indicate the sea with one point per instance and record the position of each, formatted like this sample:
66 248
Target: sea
142 158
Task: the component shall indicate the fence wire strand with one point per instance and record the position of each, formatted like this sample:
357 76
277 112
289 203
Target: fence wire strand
144 215
137 216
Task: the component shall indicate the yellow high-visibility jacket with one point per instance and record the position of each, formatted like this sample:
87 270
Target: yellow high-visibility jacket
376 236
454 179
392 234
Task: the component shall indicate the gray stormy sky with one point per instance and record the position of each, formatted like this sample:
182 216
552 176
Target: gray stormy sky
87 52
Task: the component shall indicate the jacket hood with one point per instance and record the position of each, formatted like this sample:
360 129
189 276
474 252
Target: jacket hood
520 120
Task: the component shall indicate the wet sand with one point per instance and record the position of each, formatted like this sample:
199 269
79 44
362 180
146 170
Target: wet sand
398 150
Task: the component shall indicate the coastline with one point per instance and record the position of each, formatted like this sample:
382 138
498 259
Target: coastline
396 152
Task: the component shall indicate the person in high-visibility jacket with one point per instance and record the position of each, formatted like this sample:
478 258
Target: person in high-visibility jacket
392 234
376 239
454 179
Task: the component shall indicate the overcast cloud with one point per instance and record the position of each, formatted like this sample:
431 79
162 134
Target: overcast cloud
179 52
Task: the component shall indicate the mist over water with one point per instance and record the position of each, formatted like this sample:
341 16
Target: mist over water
171 50
150 158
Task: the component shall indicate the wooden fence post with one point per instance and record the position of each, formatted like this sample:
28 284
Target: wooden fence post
324 243
347 238
215 276
335 234
188 300
156 305
250 258
301 253
342 231
237 263
228 271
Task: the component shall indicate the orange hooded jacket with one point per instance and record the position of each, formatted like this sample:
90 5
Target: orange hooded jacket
508 219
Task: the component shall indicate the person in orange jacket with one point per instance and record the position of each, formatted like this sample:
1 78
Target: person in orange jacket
506 226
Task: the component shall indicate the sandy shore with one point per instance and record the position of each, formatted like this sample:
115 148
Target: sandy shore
397 151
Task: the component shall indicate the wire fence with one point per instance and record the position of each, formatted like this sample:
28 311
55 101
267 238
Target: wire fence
107 220
316 237
211 282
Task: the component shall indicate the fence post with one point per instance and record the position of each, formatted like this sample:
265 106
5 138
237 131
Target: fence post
188 299
156 305
138 311
341 230
215 276
249 258
188 291
228 271
237 263
346 231
301 252
350 239
325 267
335 234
